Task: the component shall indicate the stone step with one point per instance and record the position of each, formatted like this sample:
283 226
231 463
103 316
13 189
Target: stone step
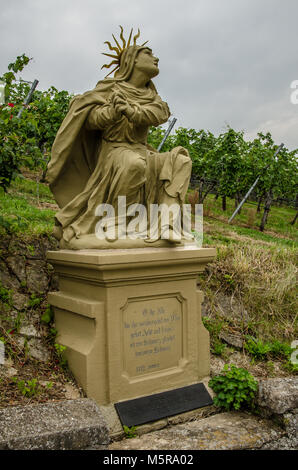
117 433
65 425
223 431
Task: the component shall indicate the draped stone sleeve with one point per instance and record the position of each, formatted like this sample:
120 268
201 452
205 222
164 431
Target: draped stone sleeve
151 114
100 117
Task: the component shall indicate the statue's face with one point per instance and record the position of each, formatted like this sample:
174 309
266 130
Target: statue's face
147 63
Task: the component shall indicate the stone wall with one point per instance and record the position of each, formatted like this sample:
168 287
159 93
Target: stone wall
25 279
278 401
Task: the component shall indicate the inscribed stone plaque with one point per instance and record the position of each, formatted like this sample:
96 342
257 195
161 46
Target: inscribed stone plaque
152 333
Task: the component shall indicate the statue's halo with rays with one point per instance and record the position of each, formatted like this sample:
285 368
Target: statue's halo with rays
118 50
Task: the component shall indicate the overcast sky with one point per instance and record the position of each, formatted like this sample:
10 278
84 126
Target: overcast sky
222 62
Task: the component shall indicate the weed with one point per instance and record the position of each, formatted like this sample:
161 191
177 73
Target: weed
48 385
257 349
31 249
280 350
130 432
229 280
27 389
260 350
5 295
53 333
289 366
60 350
48 315
235 388
18 321
214 326
218 348
34 301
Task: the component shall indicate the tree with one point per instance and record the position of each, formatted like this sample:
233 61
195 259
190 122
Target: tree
226 164
199 144
278 175
26 141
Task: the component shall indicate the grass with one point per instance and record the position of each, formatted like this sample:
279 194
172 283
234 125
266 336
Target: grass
263 280
28 187
22 211
247 223
258 270
228 234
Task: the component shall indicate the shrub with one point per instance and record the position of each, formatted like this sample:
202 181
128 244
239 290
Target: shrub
235 388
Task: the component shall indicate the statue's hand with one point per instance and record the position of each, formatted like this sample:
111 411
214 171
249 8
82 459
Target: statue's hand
121 105
116 112
127 110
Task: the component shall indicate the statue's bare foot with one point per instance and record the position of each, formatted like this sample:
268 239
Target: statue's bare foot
174 241
151 240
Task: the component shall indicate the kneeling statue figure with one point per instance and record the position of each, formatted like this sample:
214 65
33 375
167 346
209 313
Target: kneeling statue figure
100 157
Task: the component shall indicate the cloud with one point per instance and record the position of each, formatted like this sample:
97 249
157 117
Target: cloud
221 61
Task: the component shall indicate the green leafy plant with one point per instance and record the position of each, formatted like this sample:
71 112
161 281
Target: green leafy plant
289 366
53 333
48 385
229 280
130 432
214 326
18 321
34 301
280 350
5 295
218 348
28 389
60 350
31 249
260 350
257 348
234 387
48 315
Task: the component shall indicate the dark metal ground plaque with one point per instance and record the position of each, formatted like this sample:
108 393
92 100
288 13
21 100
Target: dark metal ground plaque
161 405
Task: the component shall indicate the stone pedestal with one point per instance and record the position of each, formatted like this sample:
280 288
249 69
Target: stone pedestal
131 319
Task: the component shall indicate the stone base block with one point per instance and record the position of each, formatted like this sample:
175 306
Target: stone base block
66 425
131 319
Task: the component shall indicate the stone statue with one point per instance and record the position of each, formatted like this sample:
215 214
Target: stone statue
101 154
